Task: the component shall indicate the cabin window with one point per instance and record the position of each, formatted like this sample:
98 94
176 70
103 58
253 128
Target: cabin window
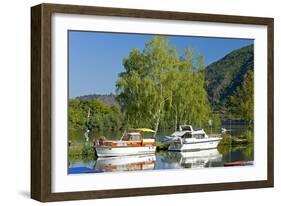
135 137
187 135
199 136
125 137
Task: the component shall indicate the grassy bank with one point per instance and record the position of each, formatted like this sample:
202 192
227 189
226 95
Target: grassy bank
246 138
84 151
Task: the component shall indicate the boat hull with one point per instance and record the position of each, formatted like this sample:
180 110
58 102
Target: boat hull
168 140
210 143
200 158
126 163
123 151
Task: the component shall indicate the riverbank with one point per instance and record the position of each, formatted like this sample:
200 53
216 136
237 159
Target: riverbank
246 138
87 148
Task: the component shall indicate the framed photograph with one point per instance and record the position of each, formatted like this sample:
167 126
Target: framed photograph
130 102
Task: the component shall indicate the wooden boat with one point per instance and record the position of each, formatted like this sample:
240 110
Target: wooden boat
126 163
133 142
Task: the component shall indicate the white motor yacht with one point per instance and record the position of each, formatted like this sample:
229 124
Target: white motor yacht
190 139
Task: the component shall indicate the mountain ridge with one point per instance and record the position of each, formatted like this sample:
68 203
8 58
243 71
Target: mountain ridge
108 99
225 75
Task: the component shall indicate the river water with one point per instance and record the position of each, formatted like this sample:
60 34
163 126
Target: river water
166 159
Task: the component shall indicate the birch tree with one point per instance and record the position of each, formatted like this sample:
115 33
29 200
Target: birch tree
160 88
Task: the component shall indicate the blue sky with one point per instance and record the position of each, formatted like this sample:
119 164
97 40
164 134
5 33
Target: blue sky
95 58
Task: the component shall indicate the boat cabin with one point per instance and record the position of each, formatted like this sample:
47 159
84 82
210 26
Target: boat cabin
137 134
185 128
132 136
191 132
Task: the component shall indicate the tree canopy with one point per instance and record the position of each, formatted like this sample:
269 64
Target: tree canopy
160 89
242 102
102 115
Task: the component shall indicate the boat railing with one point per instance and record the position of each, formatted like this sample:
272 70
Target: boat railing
103 141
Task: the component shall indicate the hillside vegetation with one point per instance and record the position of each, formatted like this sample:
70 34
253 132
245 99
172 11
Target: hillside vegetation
108 99
226 75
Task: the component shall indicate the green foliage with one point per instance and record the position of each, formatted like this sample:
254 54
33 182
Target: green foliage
226 140
84 152
75 150
224 76
88 150
249 135
248 152
103 117
216 121
108 99
160 89
242 102
161 147
75 134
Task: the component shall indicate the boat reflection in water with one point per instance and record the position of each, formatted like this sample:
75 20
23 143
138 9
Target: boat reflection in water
196 159
167 160
126 163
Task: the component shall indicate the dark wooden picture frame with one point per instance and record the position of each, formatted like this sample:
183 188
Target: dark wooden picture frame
41 95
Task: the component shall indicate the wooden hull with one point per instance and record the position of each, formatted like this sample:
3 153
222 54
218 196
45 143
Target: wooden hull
103 151
126 163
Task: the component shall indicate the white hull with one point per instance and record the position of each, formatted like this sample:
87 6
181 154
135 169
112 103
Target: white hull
208 153
124 151
195 144
125 163
168 140
201 158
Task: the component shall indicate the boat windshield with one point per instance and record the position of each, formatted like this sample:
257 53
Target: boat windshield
135 137
187 135
185 128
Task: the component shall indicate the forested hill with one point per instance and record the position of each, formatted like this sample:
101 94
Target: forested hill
225 75
108 99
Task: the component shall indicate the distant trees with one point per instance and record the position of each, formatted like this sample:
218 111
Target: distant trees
159 88
242 102
102 115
